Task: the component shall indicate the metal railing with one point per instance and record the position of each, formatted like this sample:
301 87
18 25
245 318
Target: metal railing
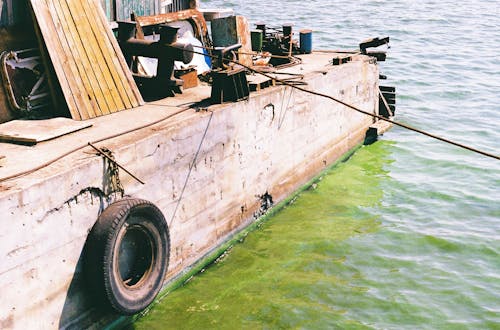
117 10
177 5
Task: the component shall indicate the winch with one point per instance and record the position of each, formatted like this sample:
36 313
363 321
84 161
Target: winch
167 50
229 82
279 42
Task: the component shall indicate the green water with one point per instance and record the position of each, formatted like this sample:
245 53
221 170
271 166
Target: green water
406 233
328 261
275 278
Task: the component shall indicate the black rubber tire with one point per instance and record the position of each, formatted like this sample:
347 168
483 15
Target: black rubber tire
127 253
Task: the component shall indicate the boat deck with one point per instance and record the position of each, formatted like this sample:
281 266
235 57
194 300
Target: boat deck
140 121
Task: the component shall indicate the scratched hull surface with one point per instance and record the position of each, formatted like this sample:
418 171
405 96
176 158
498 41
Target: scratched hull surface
203 169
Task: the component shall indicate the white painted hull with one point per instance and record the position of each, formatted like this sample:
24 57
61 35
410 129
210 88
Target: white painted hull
274 142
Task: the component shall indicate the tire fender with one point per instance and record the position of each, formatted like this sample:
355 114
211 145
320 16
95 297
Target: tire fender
127 254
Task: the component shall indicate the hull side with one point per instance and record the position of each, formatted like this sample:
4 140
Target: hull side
204 170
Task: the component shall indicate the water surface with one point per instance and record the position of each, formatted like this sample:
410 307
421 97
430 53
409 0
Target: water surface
406 233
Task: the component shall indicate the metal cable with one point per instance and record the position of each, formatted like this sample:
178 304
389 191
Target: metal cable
408 127
191 166
82 146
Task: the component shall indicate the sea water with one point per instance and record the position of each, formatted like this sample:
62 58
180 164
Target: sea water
406 233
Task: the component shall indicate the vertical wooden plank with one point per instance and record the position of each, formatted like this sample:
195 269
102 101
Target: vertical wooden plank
82 56
127 79
55 91
102 90
105 37
73 49
122 99
116 102
86 57
84 47
62 68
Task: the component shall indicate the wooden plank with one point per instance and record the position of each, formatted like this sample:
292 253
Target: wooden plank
109 56
35 131
107 70
74 49
55 91
62 68
83 33
127 79
87 107
80 56
87 60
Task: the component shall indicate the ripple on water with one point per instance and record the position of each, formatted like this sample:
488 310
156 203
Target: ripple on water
405 235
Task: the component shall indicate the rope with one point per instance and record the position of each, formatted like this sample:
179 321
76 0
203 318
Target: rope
191 166
82 146
408 127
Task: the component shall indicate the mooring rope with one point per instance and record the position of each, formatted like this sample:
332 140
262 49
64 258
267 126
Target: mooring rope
397 123
283 82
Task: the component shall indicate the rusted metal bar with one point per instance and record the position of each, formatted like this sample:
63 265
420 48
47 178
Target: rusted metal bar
391 114
171 17
373 43
191 15
115 162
